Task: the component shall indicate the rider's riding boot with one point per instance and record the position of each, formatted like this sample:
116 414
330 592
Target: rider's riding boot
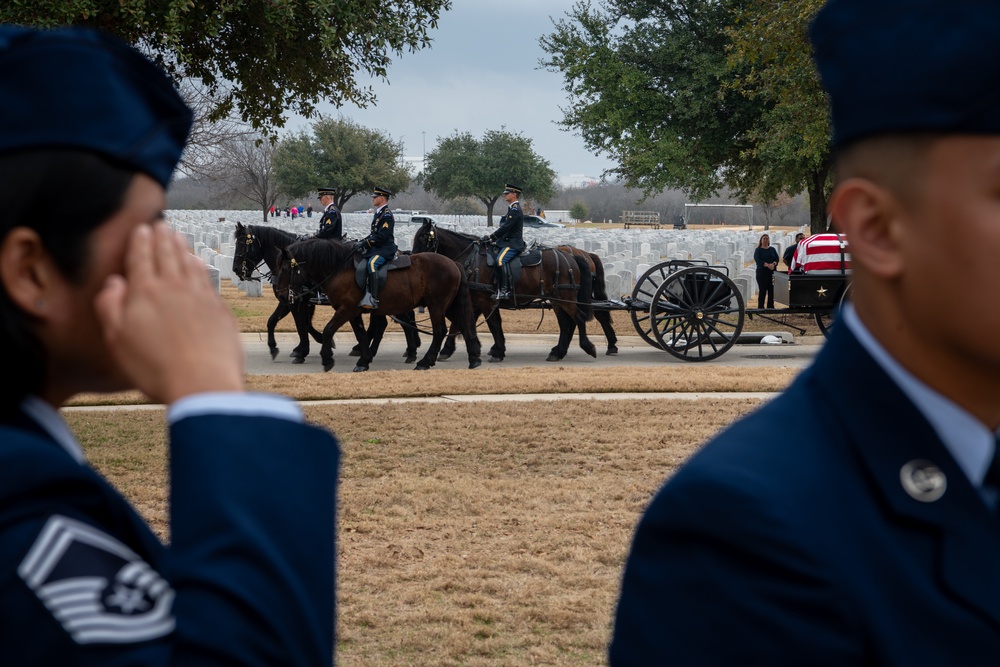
504 283
370 299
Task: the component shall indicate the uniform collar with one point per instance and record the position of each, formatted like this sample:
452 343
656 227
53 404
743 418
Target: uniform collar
381 208
49 420
329 207
967 439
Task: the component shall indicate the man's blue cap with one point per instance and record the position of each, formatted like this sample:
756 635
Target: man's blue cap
77 88
902 66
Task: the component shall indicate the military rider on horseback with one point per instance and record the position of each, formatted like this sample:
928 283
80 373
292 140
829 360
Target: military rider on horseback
330 225
509 241
378 247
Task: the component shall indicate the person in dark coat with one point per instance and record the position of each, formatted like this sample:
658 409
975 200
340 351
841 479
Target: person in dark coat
330 224
508 241
766 259
378 247
853 520
790 251
110 299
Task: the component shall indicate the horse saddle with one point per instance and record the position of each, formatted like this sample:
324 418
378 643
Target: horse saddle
530 257
361 270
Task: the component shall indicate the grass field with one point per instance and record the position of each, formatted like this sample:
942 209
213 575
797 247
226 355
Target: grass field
468 534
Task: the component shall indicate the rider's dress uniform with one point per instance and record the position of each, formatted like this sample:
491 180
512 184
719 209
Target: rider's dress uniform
378 248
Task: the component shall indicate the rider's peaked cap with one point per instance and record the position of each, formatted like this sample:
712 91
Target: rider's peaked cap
379 192
76 88
328 191
516 189
901 66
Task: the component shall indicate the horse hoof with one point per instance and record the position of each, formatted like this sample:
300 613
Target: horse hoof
475 363
495 360
360 369
592 351
553 357
327 365
410 358
298 360
421 367
444 357
355 351
274 352
612 351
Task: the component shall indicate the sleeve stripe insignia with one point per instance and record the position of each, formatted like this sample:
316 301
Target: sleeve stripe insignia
98 589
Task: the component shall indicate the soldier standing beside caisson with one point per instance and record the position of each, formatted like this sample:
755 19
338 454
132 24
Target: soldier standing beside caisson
378 247
509 240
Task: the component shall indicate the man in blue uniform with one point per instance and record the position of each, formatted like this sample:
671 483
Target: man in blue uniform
509 241
871 535
378 247
330 224
108 299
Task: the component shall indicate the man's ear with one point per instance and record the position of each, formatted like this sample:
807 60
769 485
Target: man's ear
26 271
872 219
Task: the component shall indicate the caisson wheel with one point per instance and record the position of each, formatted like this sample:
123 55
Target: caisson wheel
697 314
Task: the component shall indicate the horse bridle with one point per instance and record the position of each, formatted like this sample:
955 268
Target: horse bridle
252 240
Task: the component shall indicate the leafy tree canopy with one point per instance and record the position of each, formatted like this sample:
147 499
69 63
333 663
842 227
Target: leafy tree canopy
681 94
256 57
342 154
463 166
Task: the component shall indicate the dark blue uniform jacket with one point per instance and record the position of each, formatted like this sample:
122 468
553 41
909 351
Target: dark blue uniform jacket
331 225
510 233
381 240
791 540
246 580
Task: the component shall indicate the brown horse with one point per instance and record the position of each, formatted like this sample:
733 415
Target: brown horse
600 290
562 279
434 282
260 244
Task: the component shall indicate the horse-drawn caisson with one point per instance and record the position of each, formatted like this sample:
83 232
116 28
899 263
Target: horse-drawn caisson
696 312
690 309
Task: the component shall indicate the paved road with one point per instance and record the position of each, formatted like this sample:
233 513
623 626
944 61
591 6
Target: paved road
523 350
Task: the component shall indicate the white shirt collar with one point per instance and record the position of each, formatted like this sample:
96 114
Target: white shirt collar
380 208
48 418
968 440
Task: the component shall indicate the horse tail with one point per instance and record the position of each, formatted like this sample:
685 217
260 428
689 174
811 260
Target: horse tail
585 295
600 285
460 312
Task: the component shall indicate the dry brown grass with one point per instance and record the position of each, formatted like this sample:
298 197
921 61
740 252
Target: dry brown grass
469 534
492 380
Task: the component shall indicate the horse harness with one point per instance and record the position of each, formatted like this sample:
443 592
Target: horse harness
530 257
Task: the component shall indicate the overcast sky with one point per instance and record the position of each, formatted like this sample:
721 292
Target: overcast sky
480 73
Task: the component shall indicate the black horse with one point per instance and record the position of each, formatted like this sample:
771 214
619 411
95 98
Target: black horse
434 282
256 244
562 279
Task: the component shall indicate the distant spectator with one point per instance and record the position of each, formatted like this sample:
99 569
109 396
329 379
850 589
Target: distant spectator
767 260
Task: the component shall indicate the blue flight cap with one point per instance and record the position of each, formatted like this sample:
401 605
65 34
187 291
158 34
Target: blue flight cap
77 88
898 66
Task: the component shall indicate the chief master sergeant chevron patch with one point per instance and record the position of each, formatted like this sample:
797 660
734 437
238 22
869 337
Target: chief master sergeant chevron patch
98 589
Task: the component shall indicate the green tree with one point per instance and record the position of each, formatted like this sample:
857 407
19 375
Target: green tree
259 58
342 154
678 95
463 166
772 58
579 211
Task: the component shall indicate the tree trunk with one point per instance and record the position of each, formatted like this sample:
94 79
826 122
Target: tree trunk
817 199
489 210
